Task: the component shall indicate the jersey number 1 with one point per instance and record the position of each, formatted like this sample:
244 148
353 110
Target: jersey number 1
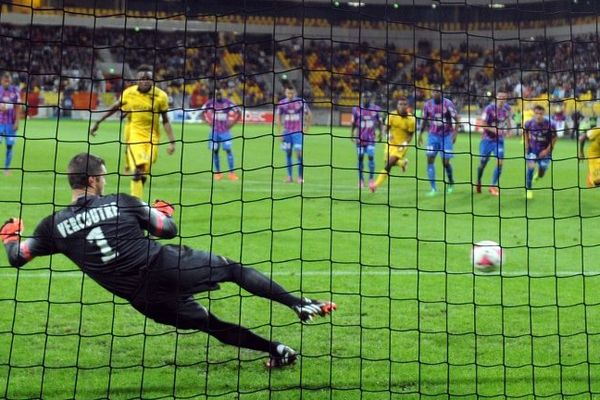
96 236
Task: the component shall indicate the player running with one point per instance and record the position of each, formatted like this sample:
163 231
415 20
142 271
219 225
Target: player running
540 138
146 104
366 121
106 237
593 135
9 117
293 113
439 113
497 117
400 128
216 112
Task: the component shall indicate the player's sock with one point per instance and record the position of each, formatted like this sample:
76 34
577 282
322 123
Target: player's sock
216 161
431 175
530 172
236 335
9 156
480 170
360 168
497 173
300 167
137 188
258 284
541 172
383 174
371 167
230 160
449 173
403 164
288 162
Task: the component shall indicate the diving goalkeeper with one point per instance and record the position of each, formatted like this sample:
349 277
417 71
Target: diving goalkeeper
105 236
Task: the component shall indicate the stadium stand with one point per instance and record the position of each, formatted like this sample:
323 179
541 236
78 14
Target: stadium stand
336 72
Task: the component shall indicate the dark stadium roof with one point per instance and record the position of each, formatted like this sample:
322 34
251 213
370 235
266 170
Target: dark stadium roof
439 2
583 6
406 10
389 10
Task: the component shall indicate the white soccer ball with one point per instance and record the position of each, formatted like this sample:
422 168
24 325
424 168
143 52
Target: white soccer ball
487 255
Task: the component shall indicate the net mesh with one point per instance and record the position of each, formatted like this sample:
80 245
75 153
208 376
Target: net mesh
415 319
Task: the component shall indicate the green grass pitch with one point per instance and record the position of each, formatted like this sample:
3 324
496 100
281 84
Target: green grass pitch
414 320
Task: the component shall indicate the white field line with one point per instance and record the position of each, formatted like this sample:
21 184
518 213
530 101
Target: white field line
258 186
43 274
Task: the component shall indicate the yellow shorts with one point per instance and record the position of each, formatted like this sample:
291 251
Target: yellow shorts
397 151
141 155
594 172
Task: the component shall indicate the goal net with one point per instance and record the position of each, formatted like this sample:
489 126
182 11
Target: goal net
327 209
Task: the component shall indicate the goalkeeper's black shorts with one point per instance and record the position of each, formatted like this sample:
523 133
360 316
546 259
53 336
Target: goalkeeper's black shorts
168 285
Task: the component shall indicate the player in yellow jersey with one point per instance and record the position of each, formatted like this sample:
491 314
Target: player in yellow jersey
593 135
400 127
146 104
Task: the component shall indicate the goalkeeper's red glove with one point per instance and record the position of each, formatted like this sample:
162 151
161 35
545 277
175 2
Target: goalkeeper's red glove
11 230
164 207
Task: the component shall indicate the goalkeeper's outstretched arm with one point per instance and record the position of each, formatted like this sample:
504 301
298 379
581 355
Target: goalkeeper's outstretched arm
157 220
20 251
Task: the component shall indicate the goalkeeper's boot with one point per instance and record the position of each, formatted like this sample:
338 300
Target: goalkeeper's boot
284 355
308 309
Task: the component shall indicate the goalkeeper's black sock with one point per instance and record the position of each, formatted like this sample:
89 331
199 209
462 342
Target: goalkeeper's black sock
257 283
237 335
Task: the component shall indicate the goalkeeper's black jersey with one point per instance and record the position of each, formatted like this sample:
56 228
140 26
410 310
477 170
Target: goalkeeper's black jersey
104 235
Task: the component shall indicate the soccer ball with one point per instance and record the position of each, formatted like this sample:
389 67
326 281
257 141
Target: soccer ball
487 255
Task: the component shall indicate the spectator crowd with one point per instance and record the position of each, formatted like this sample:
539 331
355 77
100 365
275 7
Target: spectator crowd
190 65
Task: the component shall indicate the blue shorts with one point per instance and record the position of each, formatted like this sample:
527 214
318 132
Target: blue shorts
365 148
541 162
437 143
217 140
292 140
487 147
8 134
